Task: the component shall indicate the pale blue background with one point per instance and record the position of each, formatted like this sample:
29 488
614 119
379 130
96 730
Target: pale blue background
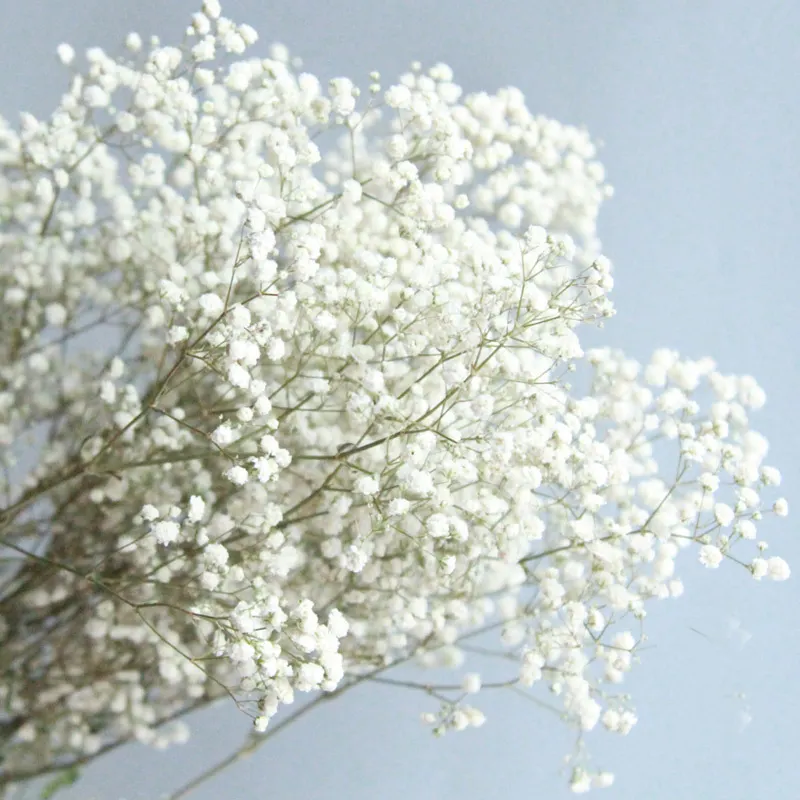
697 103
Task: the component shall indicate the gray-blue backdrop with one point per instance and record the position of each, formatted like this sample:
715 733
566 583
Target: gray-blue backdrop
697 104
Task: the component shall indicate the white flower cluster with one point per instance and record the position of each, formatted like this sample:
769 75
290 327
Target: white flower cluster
301 410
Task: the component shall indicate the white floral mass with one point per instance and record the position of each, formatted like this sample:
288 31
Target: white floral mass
294 360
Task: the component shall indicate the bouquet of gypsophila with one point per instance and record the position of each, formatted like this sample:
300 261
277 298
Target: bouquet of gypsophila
284 404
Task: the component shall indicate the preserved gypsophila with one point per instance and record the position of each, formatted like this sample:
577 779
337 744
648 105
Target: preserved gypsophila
284 404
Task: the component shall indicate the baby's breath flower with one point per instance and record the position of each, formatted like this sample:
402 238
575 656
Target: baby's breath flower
471 683
710 556
777 569
165 531
237 475
723 514
66 54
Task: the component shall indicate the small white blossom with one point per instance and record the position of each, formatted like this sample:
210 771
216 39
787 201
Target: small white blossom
398 506
237 475
723 514
216 555
759 568
165 531
66 54
211 304
367 485
197 508
710 556
149 512
781 507
777 569
471 684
